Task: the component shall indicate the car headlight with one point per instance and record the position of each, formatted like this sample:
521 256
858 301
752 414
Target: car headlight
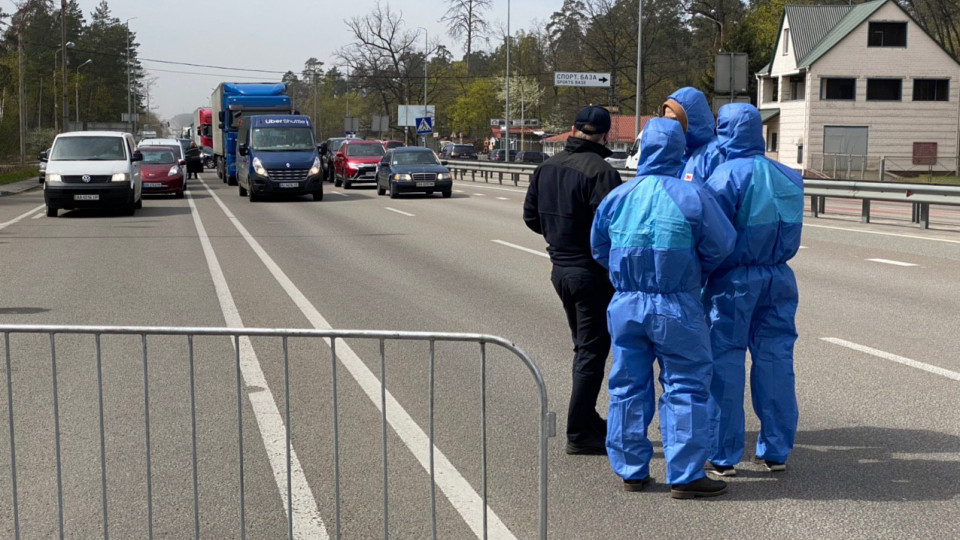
315 169
54 178
443 176
120 177
175 170
258 167
405 177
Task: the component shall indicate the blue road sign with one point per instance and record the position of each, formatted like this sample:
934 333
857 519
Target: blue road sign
424 126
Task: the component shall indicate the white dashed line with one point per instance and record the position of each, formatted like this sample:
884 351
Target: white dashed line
339 193
401 212
480 194
803 247
459 191
481 186
503 199
914 236
894 358
21 216
38 216
521 248
894 263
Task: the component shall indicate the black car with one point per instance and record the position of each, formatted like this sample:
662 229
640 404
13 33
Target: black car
531 157
498 155
459 151
413 169
328 149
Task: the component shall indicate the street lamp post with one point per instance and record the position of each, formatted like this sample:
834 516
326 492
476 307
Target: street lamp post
64 45
426 54
56 112
129 88
506 133
77 101
636 122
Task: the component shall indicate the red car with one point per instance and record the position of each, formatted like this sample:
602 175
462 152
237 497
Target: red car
356 161
161 171
390 145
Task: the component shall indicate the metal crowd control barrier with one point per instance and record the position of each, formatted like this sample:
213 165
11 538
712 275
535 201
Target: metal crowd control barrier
920 195
547 419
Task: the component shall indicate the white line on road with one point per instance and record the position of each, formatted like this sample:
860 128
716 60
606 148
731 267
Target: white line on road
521 248
339 193
503 199
459 191
20 217
307 522
803 247
888 261
480 194
914 236
457 489
401 212
481 186
894 358
38 216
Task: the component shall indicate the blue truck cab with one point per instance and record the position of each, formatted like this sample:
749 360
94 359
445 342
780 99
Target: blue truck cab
231 102
277 154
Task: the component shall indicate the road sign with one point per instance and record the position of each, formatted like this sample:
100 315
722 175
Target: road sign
575 78
351 123
407 114
732 73
424 126
380 123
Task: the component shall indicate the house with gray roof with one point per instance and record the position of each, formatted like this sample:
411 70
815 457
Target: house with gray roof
848 85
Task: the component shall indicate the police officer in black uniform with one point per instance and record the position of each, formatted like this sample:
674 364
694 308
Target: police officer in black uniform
562 198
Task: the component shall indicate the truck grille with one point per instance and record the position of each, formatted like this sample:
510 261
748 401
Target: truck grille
288 175
424 177
94 179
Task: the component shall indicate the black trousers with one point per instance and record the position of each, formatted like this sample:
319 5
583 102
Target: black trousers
585 293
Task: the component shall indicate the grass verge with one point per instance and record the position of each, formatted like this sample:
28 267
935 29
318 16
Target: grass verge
16 174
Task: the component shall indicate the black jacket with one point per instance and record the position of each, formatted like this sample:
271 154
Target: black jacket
564 193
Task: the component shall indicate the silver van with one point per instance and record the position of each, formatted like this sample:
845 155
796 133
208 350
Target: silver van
87 169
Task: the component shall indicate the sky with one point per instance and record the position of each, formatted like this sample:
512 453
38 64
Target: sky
270 35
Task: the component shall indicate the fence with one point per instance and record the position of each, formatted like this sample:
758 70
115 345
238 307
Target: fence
57 334
887 168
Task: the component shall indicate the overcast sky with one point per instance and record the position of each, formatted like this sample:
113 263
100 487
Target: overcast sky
271 35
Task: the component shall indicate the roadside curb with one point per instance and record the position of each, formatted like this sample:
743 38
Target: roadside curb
19 187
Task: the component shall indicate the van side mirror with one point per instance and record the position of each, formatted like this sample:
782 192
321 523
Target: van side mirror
137 156
220 116
243 149
444 163
220 125
43 156
322 148
182 162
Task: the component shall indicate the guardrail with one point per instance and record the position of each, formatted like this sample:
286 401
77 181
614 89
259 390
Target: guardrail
921 196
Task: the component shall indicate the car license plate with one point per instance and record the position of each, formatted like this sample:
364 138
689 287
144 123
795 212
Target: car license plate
88 197
152 184
289 185
425 184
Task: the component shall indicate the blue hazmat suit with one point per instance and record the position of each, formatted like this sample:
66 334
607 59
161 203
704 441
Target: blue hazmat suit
751 298
658 236
701 156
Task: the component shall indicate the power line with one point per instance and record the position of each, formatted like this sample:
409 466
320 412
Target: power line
219 75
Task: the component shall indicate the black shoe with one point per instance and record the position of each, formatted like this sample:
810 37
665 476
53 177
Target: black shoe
720 470
591 448
704 487
772 466
636 485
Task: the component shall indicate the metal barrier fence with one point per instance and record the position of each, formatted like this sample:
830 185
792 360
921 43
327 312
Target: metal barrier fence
493 170
546 420
877 168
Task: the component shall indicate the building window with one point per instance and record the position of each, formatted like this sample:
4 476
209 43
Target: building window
887 34
799 153
786 41
884 89
796 88
772 141
774 89
837 88
931 90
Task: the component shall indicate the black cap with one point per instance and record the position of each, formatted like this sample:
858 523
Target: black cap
596 116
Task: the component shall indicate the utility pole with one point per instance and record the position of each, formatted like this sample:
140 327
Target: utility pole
129 87
23 109
63 68
636 122
426 53
506 136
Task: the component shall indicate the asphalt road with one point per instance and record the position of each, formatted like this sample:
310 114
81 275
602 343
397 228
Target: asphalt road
878 453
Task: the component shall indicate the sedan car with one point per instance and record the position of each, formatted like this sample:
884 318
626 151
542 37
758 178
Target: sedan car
161 171
458 151
171 143
618 160
498 155
531 157
356 162
413 169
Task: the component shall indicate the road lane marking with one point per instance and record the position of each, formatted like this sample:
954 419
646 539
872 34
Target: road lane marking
459 191
339 193
914 236
401 212
21 216
503 199
38 216
480 194
454 486
803 247
894 358
306 516
481 186
888 261
521 248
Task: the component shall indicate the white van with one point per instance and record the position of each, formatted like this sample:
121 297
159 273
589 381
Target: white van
633 155
92 169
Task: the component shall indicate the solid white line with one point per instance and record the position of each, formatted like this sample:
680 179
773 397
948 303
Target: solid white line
457 489
401 212
914 236
339 193
481 186
21 216
888 261
521 248
38 216
503 199
307 522
894 358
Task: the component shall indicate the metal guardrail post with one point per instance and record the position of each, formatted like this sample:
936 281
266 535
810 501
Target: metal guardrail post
814 206
865 211
924 215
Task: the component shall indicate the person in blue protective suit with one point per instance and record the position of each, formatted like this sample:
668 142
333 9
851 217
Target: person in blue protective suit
751 298
658 236
689 107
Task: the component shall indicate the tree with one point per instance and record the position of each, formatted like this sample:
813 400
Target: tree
464 18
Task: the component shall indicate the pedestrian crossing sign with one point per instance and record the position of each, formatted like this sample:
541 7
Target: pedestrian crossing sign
424 126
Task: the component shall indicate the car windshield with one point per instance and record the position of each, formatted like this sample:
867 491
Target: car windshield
463 149
283 139
158 155
619 155
88 149
364 150
415 158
